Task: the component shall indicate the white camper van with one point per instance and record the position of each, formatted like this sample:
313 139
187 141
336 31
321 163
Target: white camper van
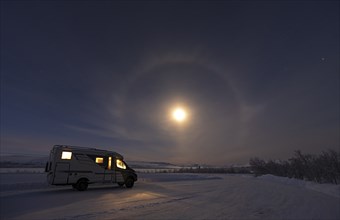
78 166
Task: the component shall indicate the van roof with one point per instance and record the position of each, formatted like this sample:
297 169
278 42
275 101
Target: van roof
94 150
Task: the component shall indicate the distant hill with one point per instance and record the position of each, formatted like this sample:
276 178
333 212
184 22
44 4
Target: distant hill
152 165
14 161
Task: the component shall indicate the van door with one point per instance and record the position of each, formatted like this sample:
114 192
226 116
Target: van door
62 171
119 166
109 171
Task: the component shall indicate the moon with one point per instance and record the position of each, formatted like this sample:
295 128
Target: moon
179 114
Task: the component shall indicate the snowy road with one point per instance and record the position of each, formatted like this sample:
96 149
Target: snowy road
169 196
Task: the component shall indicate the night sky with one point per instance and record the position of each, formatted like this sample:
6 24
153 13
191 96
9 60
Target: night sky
257 78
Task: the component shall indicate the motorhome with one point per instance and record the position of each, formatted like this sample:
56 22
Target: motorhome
79 166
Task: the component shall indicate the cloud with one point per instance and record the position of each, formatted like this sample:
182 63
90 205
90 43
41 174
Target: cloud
136 109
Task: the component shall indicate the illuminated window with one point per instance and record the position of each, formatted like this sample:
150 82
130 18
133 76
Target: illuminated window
120 164
109 164
66 155
99 160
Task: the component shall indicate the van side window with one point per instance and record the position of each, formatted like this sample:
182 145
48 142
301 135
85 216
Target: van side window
66 155
99 160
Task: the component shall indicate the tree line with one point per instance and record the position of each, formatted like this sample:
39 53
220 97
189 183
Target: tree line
323 168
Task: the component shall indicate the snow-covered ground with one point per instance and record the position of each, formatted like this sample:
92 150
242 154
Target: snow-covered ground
170 196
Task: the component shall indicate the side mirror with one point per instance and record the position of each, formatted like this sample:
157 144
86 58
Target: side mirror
46 167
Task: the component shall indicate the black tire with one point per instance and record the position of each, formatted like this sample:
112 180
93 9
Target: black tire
121 184
82 185
129 183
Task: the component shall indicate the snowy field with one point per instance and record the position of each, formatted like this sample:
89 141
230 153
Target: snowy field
170 196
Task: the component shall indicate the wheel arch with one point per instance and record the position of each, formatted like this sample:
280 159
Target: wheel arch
83 179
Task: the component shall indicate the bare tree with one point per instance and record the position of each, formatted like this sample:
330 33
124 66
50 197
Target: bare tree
324 168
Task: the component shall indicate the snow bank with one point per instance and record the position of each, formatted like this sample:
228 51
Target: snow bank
169 177
33 181
328 189
168 196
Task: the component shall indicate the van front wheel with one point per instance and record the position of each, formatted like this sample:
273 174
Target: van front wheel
129 183
82 185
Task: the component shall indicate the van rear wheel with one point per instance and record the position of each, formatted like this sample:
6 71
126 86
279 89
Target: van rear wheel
129 183
81 185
